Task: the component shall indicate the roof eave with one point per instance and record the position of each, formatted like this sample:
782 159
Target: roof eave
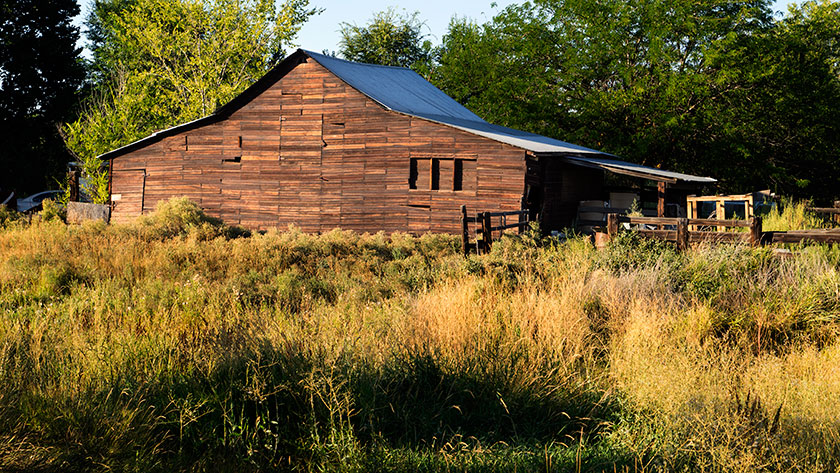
570 158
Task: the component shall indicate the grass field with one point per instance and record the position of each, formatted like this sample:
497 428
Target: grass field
176 344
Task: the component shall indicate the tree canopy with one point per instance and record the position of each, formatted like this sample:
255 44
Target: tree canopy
716 87
390 39
40 74
159 63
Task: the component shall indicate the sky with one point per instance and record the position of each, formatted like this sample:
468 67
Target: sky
321 32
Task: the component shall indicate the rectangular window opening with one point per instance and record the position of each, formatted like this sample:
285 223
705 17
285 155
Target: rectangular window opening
412 174
442 174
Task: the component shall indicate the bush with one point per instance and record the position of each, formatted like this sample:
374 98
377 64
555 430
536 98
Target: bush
180 216
53 210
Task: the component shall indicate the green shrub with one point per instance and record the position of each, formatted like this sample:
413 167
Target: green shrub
53 210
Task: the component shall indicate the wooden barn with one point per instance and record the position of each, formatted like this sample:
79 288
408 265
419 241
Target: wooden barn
321 143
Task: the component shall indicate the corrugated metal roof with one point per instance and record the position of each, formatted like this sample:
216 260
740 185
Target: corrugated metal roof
623 167
403 90
396 88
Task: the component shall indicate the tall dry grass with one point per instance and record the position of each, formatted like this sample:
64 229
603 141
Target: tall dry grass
179 343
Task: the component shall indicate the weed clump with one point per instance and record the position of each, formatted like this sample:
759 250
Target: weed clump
179 216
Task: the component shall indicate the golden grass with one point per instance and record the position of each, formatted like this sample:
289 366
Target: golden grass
177 343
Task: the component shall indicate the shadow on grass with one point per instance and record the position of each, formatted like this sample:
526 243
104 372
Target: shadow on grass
287 410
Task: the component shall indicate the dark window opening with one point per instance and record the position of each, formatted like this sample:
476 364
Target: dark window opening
412 174
442 174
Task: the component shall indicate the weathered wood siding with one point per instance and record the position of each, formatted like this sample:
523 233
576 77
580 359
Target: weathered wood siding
314 152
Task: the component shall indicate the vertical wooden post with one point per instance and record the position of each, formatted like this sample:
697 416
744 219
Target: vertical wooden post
488 234
660 202
691 208
682 234
836 217
660 199
755 231
479 230
612 226
73 183
720 213
465 231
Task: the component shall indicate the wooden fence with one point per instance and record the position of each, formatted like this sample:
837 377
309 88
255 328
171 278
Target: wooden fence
684 231
484 228
832 212
689 230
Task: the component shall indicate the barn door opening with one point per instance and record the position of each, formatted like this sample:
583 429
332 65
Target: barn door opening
534 202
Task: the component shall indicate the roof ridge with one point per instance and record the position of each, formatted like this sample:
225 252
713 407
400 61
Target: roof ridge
368 64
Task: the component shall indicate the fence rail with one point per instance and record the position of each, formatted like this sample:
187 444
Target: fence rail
684 232
484 227
682 235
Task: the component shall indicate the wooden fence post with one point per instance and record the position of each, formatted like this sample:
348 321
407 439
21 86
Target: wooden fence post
755 231
73 183
612 226
488 234
682 234
836 216
480 247
465 231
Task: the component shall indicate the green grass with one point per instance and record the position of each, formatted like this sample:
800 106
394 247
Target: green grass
177 343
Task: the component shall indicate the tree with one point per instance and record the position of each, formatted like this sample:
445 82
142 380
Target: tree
164 62
389 39
630 77
40 72
788 110
716 87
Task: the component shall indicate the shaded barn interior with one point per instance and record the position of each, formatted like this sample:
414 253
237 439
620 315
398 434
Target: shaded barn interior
321 143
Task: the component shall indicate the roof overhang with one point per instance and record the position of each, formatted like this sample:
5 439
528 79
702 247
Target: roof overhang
606 163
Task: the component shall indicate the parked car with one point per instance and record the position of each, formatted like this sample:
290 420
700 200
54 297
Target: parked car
33 202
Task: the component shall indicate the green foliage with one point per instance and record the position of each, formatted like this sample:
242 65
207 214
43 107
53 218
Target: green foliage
53 210
713 88
180 216
791 215
161 63
9 216
40 74
390 39
631 252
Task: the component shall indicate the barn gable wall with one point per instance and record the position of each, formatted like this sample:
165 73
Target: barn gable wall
313 152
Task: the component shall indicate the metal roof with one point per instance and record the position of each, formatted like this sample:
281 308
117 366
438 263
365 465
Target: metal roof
404 91
396 88
632 169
